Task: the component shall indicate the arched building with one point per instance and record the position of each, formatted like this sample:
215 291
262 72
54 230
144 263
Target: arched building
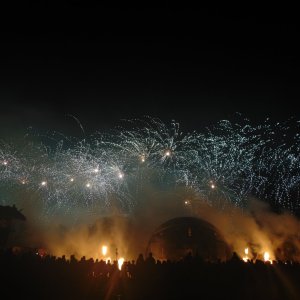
178 237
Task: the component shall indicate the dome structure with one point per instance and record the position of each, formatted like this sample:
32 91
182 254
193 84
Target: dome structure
178 237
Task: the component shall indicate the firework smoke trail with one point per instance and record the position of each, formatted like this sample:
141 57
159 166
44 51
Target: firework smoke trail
229 161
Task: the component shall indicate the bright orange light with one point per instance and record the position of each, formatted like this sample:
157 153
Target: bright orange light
266 256
246 258
120 263
104 250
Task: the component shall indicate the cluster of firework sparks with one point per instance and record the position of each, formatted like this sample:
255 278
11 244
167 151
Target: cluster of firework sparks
229 161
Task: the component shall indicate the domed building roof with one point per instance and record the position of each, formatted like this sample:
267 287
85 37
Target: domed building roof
178 237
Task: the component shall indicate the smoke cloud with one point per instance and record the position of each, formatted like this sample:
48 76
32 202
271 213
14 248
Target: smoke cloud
255 227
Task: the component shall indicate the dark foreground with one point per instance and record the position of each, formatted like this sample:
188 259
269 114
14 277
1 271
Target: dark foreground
30 276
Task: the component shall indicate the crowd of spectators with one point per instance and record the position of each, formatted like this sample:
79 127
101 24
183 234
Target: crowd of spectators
30 276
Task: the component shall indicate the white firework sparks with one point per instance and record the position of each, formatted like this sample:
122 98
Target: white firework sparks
227 161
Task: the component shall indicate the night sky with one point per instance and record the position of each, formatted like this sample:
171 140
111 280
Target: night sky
196 66
62 61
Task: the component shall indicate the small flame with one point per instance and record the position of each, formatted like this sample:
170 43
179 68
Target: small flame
246 258
104 250
120 263
267 257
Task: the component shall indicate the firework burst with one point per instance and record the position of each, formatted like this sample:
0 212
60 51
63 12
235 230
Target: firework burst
228 161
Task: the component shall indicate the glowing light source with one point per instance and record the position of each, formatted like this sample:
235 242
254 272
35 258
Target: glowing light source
267 257
168 153
120 263
72 179
212 186
5 163
120 175
246 258
96 170
104 250
44 183
88 185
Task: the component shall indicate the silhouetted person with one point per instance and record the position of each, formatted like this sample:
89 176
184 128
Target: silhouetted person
150 259
140 260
